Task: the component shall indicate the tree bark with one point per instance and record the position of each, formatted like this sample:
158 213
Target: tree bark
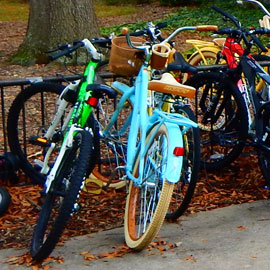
54 22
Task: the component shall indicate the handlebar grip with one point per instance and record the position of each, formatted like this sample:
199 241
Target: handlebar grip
66 51
229 31
161 25
102 42
207 28
258 43
227 15
262 31
58 54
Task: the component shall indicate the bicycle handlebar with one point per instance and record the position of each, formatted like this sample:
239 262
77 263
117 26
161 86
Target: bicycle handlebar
227 15
262 7
243 34
258 43
67 49
240 32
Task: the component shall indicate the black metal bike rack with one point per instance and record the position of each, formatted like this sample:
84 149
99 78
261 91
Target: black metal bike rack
9 163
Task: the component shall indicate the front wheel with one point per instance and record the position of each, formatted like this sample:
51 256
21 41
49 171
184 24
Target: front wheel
4 200
147 204
60 201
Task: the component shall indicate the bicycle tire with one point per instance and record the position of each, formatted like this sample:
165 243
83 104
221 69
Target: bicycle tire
223 132
184 189
263 154
73 169
28 106
4 200
197 60
161 195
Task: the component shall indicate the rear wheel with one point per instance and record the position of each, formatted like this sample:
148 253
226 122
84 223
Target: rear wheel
30 115
146 205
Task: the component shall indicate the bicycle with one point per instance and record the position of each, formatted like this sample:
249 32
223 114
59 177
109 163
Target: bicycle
256 103
149 155
76 157
31 124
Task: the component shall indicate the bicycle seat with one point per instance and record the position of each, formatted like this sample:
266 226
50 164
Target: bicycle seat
167 84
180 64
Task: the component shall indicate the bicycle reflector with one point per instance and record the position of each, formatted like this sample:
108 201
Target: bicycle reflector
179 151
92 101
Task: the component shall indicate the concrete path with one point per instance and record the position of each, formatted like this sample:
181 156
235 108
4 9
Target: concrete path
231 238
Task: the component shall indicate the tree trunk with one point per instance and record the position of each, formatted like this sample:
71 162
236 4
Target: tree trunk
54 22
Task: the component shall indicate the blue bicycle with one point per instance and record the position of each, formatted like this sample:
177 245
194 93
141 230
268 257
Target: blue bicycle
154 147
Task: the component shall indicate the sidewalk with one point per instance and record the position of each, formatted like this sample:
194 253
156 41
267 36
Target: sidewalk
231 238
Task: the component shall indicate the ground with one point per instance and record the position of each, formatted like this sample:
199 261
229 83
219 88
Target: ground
241 182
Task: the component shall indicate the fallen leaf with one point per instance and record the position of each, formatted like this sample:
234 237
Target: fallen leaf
241 228
190 258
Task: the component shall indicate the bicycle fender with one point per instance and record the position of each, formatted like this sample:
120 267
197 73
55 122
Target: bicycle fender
174 163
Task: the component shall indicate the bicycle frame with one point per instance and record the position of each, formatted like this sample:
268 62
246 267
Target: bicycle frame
76 118
251 69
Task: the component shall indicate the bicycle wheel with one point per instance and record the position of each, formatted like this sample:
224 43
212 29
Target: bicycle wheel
263 154
30 115
184 189
222 117
146 206
4 200
60 201
112 158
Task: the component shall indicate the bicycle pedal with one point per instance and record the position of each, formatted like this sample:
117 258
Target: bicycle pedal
39 141
93 185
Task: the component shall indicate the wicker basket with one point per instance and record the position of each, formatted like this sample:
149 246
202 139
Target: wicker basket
124 60
160 54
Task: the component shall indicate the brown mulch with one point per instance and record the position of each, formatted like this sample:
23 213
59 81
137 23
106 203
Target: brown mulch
241 182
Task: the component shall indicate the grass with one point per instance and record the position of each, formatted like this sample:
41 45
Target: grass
18 10
13 10
103 10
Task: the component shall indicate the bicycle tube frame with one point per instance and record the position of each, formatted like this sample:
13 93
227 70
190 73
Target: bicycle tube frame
250 69
79 116
141 123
